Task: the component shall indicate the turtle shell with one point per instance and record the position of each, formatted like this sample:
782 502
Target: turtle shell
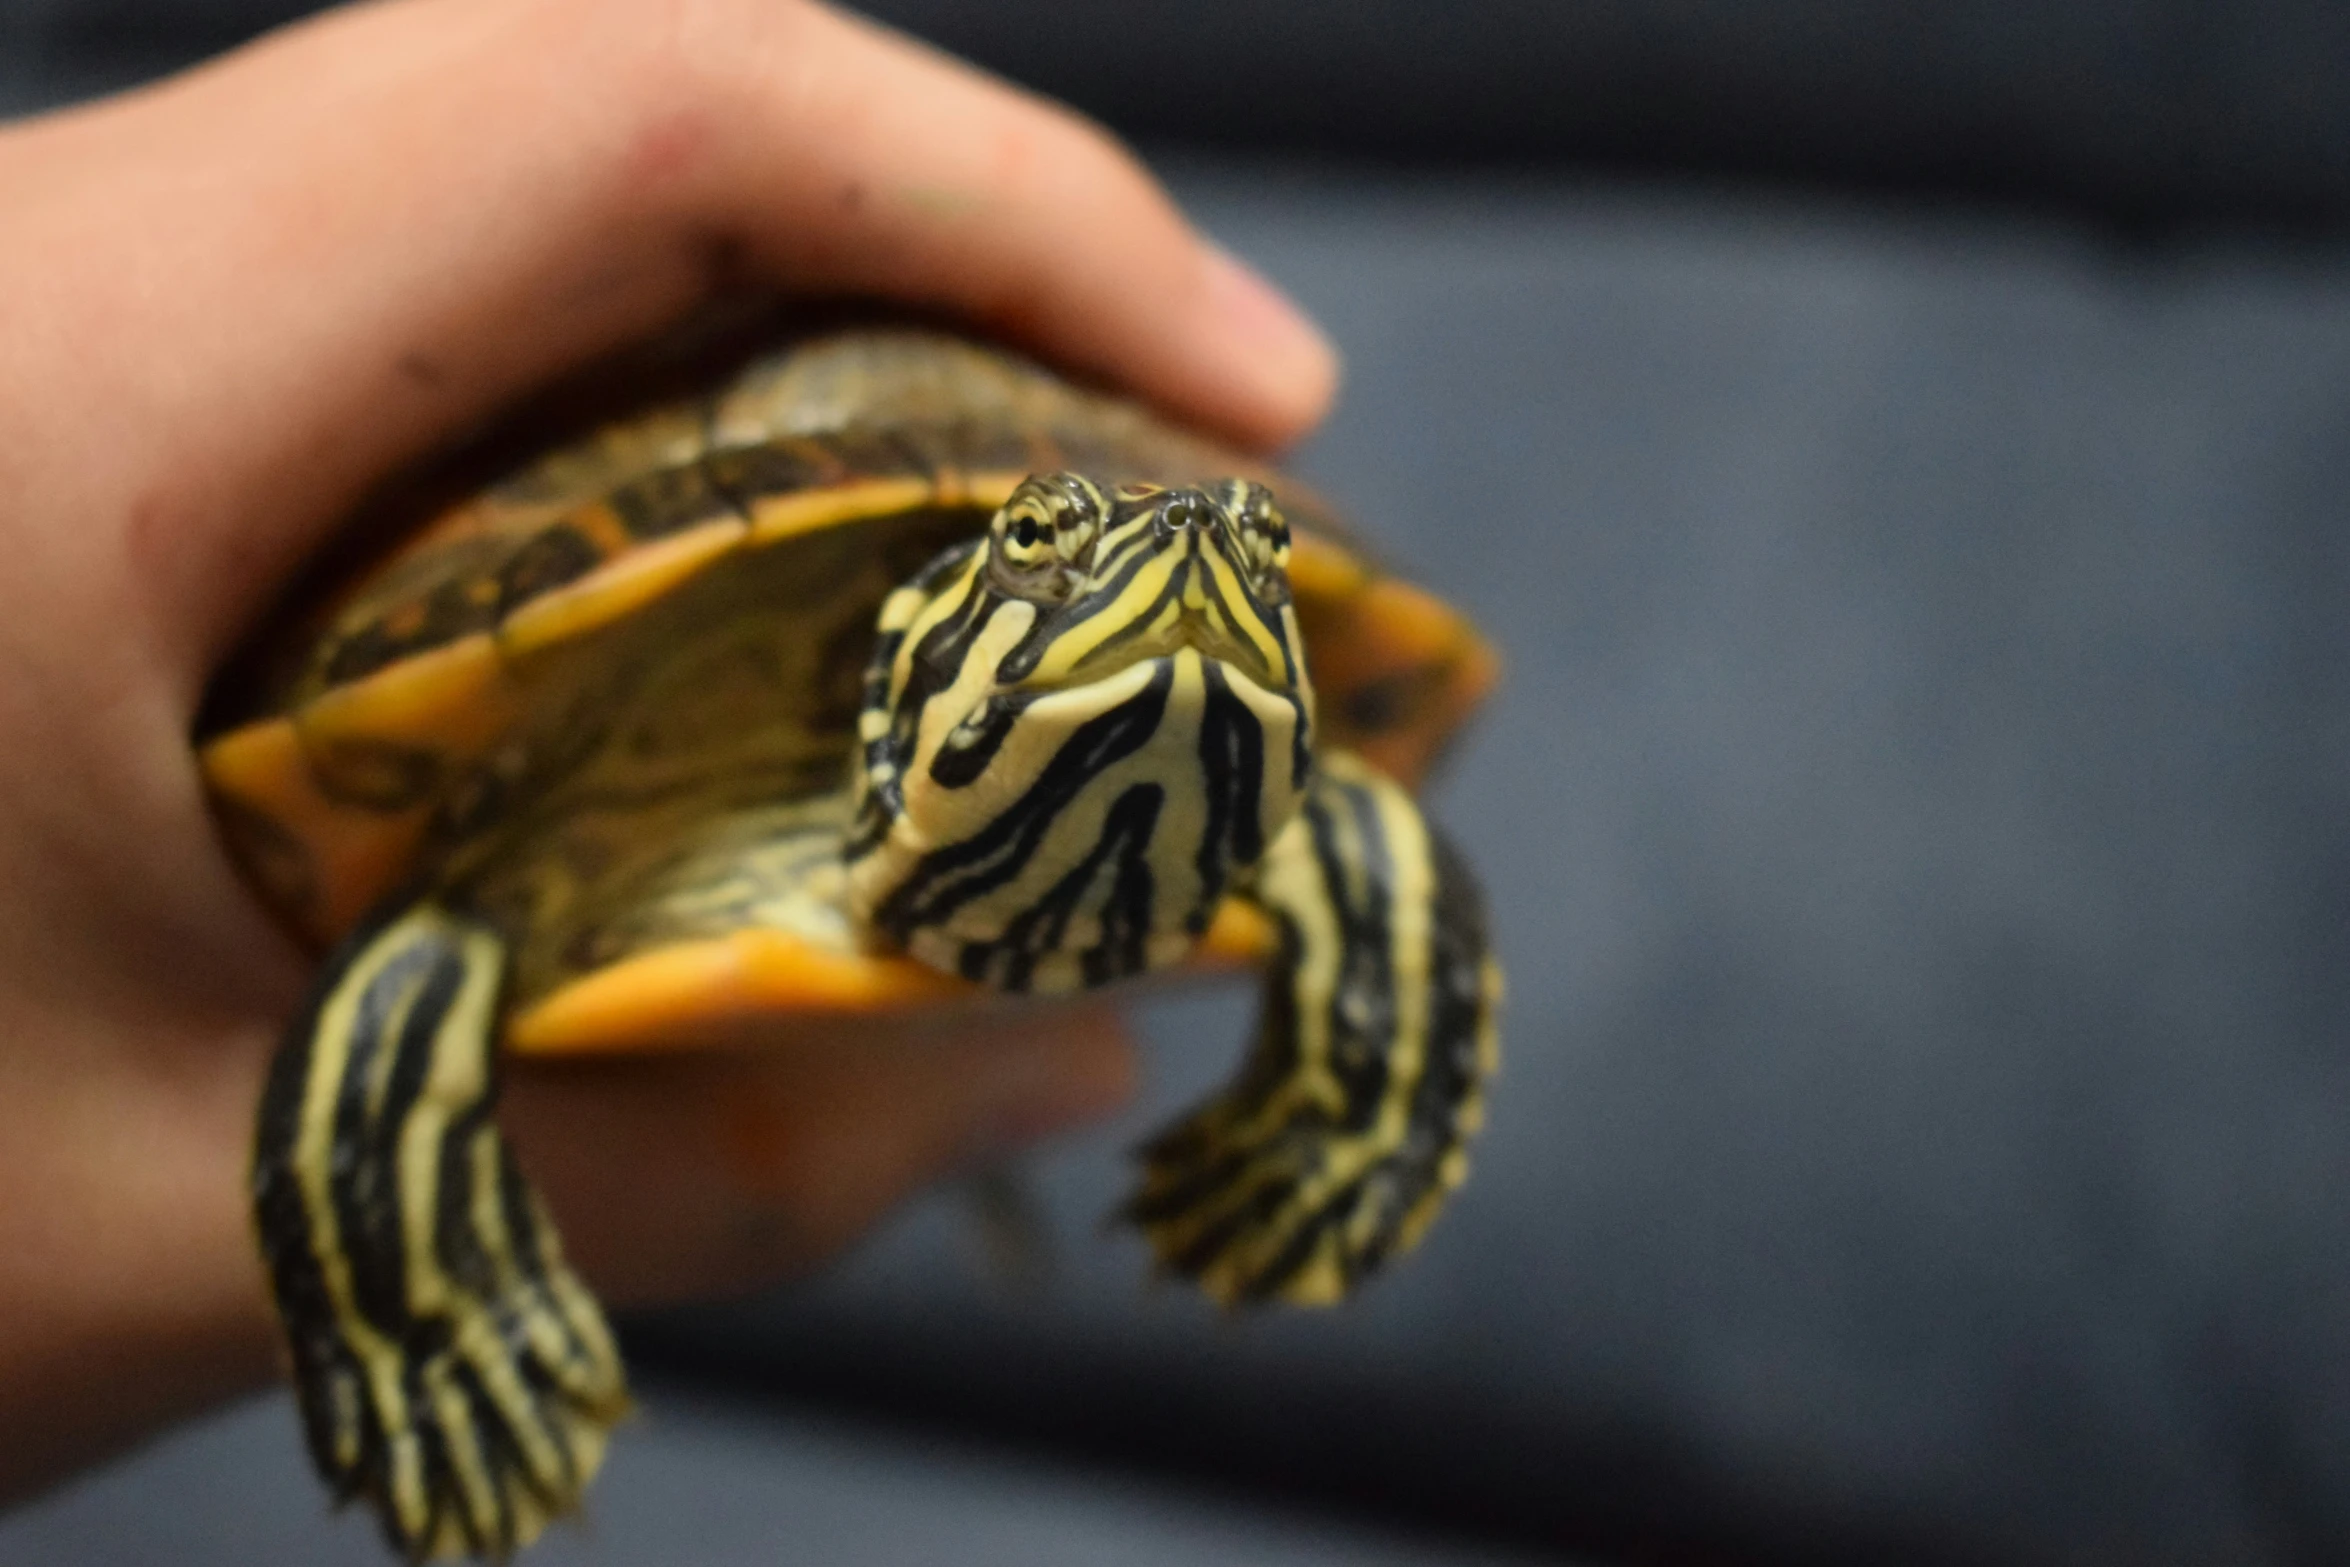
379 718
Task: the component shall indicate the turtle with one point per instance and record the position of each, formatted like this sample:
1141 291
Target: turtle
879 668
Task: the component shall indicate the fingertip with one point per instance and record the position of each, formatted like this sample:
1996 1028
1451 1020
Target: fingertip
1281 367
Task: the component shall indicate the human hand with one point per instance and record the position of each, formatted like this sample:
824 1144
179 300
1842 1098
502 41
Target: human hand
237 300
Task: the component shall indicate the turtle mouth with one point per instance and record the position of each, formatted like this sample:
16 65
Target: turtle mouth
1146 642
1155 602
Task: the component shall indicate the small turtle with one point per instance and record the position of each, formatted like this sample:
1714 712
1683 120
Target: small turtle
884 670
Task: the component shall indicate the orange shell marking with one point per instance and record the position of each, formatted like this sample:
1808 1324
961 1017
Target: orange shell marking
688 994
449 705
1375 638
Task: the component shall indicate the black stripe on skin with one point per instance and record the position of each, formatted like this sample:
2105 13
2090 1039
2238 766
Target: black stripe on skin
458 1246
874 693
1264 608
1127 912
938 657
530 1260
1356 1057
322 1361
499 1456
1127 827
1260 1208
1362 1014
948 878
1361 1026
433 1473
1212 1185
1232 768
1186 1140
963 756
880 800
884 802
365 1181
1019 663
289 1246
430 963
1136 624
1459 950
1268 598
1299 1249
1301 738
1447 1081
1139 547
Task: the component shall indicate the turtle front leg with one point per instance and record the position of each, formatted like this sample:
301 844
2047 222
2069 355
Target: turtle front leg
1346 1128
450 1368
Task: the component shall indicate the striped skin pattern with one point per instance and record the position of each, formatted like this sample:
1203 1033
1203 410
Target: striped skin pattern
1062 777
1079 731
618 753
1347 1127
332 745
451 1369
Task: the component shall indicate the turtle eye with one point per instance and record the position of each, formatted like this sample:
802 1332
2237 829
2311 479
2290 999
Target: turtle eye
1024 538
1043 535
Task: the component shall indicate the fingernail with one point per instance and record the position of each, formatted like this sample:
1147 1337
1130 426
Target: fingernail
1291 356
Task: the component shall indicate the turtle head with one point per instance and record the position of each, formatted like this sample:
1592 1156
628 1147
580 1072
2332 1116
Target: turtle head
1078 728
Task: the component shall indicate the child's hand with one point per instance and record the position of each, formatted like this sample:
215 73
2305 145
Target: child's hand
232 302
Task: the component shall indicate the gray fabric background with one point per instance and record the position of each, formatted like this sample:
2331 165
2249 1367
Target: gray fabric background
1916 826
2152 114
1915 822
699 1482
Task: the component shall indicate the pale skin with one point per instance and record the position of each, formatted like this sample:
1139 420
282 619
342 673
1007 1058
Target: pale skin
235 301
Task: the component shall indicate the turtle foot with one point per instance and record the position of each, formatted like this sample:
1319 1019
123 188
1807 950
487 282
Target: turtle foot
1349 1123
469 1447
1302 1214
451 1368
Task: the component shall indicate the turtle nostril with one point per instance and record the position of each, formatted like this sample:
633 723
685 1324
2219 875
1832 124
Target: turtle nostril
1181 514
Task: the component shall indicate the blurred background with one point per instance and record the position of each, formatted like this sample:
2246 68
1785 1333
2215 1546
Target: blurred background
1905 455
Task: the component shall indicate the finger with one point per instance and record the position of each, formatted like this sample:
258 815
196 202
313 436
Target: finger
690 1175
293 269
867 161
